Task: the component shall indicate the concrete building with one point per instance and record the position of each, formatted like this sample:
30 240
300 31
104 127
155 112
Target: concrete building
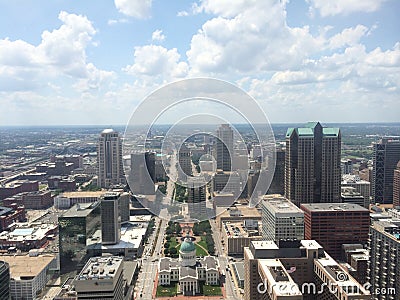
396 186
386 157
356 258
101 278
278 180
223 147
28 275
335 224
109 159
347 166
361 186
77 227
110 218
188 270
312 166
61 183
184 162
384 262
69 199
196 187
350 195
281 219
142 173
237 235
237 213
4 280
296 270
228 182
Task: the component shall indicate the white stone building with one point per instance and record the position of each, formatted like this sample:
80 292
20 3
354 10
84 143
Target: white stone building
188 270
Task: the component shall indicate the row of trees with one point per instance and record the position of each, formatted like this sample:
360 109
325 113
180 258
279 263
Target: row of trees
204 230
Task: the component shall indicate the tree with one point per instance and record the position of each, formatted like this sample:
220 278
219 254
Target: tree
166 251
173 251
166 245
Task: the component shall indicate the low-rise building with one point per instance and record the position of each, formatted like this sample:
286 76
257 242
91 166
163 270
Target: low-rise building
31 200
28 274
10 215
237 235
69 199
16 187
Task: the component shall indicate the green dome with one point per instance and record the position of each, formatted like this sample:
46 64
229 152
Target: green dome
187 245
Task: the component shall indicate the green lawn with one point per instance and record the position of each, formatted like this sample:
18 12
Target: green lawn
212 290
173 243
166 291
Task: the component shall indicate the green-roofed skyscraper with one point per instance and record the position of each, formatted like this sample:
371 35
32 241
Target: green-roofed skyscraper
312 164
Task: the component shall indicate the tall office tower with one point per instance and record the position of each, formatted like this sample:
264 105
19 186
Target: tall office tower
196 197
185 162
224 147
361 186
77 228
278 180
335 224
142 174
4 280
386 157
296 270
109 159
281 219
396 186
124 200
110 219
384 263
312 166
101 278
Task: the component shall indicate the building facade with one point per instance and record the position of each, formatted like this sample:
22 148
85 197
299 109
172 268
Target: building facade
101 278
386 157
224 147
396 186
312 164
335 224
281 219
76 229
142 174
110 218
384 262
4 280
109 159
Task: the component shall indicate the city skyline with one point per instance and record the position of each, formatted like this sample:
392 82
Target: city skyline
76 63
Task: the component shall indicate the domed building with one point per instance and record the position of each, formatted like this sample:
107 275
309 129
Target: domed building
188 270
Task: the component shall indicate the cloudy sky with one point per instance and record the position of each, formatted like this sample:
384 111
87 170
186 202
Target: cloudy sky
92 62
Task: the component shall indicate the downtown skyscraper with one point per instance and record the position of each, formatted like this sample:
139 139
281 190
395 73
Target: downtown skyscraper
312 164
224 147
386 157
109 159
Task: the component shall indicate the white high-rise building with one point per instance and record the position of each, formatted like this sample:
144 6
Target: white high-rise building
224 147
109 159
281 219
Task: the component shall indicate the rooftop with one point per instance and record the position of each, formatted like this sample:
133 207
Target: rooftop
98 268
80 210
333 207
131 236
237 230
280 205
24 267
82 194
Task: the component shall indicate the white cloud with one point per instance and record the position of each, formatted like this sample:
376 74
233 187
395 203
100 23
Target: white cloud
140 9
249 38
158 36
154 60
344 7
61 53
348 37
182 13
117 21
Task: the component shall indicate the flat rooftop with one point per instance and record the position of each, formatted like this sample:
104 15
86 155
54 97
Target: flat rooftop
131 236
96 194
98 268
333 207
278 204
25 265
237 230
260 245
80 210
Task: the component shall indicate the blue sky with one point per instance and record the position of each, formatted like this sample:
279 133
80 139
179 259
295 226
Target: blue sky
92 62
